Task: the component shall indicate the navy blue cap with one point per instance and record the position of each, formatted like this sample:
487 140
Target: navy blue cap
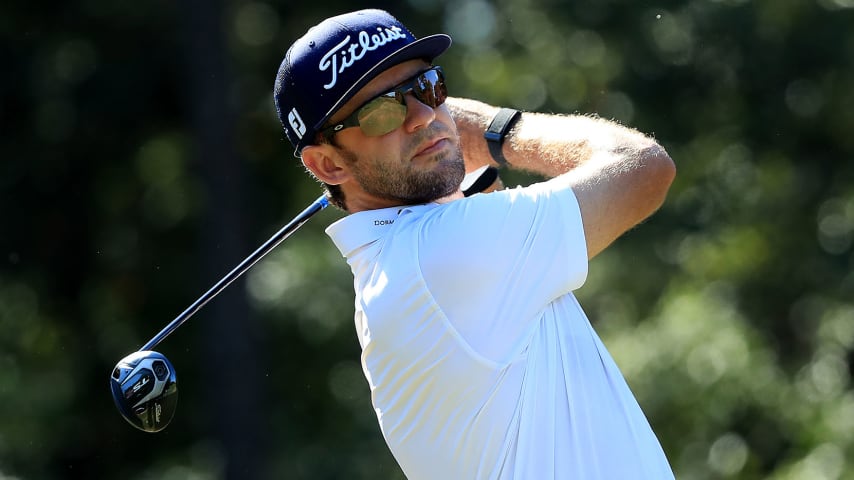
324 68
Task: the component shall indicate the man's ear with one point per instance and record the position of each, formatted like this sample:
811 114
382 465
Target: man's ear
325 163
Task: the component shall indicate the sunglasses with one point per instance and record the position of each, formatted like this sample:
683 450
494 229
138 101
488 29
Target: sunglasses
387 112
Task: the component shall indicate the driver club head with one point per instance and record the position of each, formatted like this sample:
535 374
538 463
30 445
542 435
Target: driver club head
145 390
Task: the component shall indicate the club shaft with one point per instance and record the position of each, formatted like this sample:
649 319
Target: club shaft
239 270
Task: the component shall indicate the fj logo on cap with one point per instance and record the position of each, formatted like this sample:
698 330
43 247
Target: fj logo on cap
355 51
296 123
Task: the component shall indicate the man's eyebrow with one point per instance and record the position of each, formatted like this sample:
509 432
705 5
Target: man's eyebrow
399 84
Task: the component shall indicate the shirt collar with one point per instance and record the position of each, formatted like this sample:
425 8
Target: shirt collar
359 229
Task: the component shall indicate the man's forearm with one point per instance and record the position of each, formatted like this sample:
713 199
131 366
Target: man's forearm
548 145
619 176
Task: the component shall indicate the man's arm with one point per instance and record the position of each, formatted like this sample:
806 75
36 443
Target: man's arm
619 176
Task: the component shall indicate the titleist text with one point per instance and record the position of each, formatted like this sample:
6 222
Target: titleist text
354 52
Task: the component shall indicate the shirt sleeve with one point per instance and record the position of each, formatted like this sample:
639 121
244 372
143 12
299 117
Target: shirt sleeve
494 262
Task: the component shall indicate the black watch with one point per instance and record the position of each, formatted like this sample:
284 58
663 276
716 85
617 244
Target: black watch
497 130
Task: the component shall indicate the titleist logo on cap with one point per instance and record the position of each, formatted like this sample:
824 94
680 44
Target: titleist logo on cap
356 51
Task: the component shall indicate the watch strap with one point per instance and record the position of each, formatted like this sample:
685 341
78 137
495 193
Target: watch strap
497 131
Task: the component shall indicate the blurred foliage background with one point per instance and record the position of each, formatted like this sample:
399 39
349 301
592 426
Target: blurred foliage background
142 160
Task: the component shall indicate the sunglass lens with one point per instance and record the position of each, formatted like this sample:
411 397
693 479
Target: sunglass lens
430 88
381 115
388 112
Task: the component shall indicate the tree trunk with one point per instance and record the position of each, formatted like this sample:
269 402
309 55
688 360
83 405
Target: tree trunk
229 346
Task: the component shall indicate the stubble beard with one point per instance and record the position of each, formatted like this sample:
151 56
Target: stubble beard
406 185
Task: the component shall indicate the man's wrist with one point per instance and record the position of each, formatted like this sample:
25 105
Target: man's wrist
497 131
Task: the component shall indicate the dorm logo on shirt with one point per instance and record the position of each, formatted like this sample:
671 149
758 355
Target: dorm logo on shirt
383 222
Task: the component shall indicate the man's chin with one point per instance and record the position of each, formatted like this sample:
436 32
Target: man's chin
451 160
437 184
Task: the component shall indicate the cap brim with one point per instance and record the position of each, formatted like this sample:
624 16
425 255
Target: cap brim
427 48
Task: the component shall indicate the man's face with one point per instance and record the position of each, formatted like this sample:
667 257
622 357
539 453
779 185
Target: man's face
418 162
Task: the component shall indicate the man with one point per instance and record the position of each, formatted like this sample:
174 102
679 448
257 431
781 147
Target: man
480 361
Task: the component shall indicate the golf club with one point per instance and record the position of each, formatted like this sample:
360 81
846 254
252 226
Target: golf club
479 180
144 384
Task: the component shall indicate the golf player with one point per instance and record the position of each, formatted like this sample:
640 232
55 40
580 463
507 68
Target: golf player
480 361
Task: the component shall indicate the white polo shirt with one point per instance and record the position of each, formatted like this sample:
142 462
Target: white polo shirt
480 361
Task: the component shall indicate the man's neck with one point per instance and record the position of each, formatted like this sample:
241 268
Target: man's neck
361 207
